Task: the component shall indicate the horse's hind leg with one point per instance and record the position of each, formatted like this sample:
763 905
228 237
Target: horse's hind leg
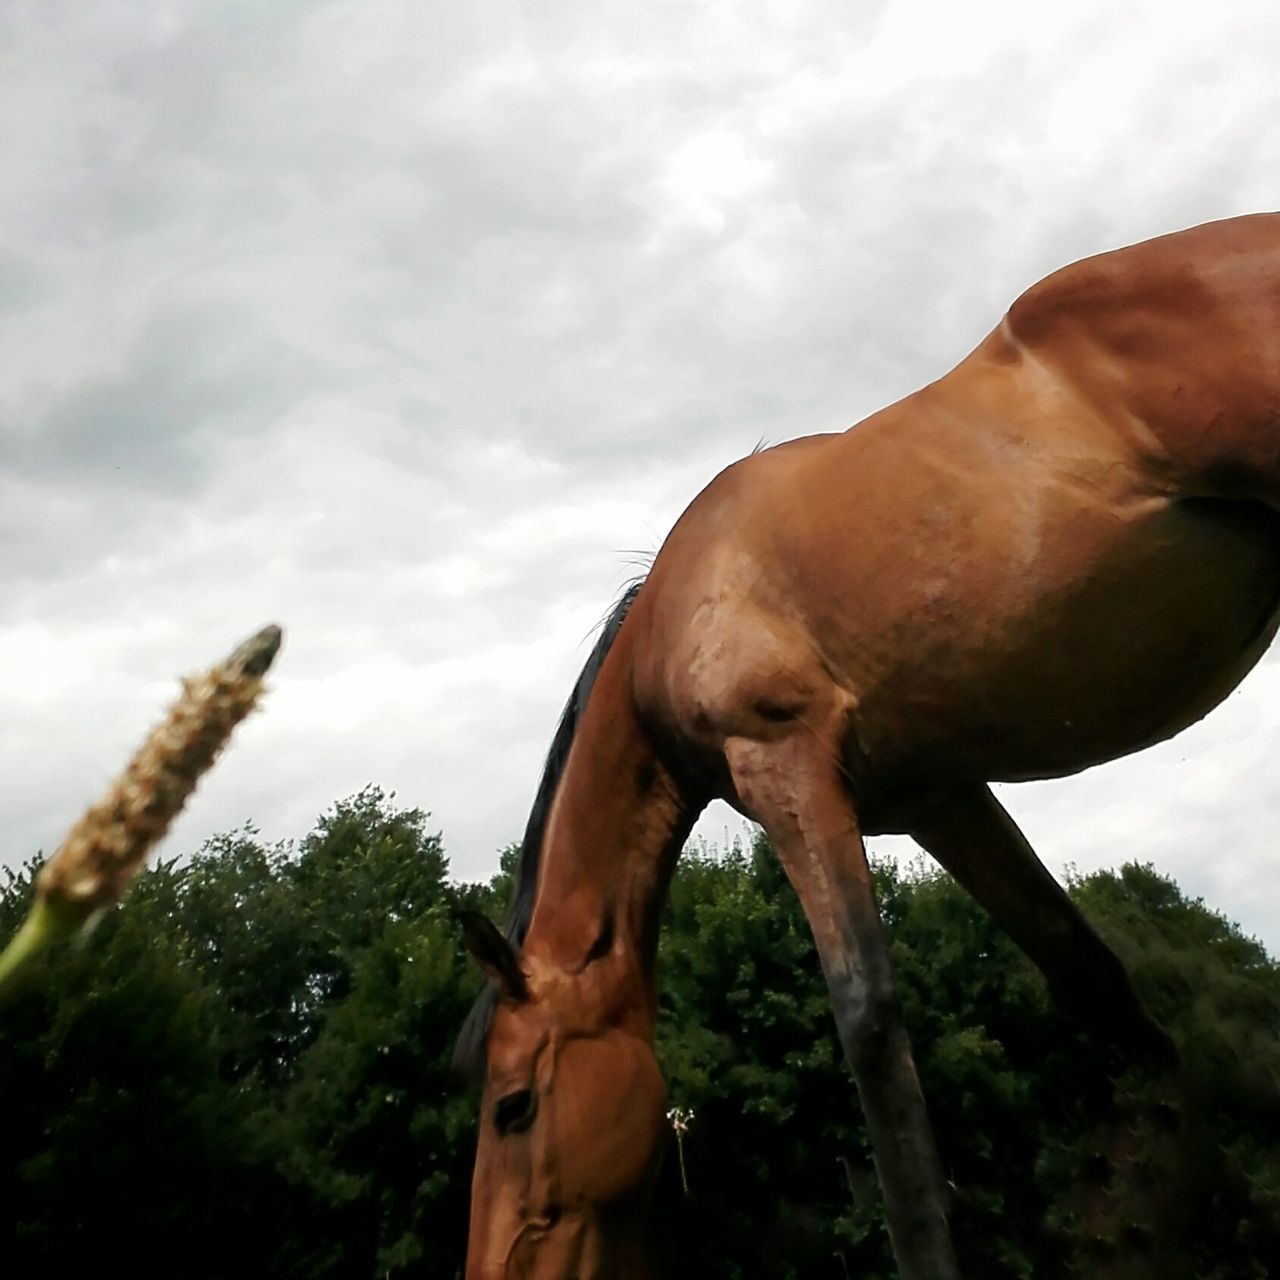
975 839
793 787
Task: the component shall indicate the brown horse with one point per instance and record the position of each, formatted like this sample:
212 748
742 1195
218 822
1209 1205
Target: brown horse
1064 550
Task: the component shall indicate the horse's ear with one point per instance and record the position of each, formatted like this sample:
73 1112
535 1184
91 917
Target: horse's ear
494 954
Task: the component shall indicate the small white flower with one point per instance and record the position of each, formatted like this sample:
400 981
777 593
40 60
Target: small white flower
679 1118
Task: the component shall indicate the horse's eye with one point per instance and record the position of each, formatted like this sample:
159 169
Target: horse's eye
514 1113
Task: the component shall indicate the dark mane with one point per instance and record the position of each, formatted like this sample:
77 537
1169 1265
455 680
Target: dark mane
468 1055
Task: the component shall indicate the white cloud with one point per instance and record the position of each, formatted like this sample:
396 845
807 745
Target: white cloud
404 325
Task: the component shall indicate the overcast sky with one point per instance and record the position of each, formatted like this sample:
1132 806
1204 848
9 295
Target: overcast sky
408 325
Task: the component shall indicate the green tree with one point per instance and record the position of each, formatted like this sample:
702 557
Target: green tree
120 1141
1060 1167
374 1127
245 1072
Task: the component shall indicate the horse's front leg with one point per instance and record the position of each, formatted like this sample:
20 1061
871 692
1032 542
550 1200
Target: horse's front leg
793 787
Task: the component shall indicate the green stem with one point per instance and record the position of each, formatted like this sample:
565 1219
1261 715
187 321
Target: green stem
44 924
684 1177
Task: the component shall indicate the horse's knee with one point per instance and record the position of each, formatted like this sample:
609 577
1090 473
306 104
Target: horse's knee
868 1015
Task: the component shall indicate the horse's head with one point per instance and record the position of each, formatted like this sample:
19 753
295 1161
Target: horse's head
572 1125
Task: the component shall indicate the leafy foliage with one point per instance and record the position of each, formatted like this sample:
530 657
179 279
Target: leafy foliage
245 1072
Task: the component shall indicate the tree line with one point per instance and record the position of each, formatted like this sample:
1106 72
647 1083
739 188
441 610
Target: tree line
245 1072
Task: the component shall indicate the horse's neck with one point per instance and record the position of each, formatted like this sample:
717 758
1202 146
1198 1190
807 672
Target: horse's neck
616 827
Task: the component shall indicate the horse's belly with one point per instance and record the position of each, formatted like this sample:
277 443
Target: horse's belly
1110 658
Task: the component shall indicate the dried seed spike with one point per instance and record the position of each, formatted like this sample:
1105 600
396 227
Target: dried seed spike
257 653
112 839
